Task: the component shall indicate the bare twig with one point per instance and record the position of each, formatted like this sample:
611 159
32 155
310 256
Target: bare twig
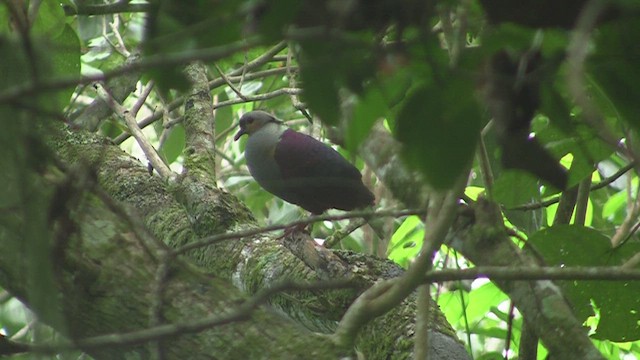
606 273
148 149
582 201
260 97
230 83
601 184
423 319
337 236
106 9
485 164
142 98
312 219
153 61
233 76
241 313
629 221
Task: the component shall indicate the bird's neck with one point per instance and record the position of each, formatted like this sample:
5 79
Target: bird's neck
268 135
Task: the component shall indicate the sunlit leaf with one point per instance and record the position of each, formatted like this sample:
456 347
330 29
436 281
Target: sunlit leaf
570 245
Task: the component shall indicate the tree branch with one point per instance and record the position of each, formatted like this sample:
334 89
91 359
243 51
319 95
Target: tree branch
148 149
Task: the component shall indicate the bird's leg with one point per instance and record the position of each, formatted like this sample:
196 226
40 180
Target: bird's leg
297 228
337 236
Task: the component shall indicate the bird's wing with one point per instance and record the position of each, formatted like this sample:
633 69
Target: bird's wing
301 156
317 177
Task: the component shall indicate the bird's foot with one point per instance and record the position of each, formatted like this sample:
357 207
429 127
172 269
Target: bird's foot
297 228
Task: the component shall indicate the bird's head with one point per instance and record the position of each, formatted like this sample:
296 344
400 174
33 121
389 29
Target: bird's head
254 121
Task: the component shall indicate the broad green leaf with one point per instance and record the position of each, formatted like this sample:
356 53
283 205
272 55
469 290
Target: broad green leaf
581 142
329 65
65 60
50 20
321 92
615 204
553 208
515 187
614 66
439 126
223 117
482 300
406 241
369 108
277 17
477 303
618 301
173 146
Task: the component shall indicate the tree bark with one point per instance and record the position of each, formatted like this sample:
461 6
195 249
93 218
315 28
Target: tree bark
109 279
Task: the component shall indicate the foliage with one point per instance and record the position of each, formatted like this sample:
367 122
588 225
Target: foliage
429 71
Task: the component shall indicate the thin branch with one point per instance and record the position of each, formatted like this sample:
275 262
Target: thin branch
582 201
423 321
240 313
632 262
485 164
233 76
577 52
295 100
383 296
600 273
260 97
229 83
120 47
148 149
210 240
107 9
601 184
153 61
142 98
337 236
629 221
566 205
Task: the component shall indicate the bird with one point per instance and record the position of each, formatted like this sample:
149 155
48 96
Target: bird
298 168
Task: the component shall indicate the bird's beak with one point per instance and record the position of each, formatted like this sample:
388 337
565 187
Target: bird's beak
239 133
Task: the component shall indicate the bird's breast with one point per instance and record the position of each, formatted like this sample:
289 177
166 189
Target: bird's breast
260 158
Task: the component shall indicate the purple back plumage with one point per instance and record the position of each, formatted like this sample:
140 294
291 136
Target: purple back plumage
300 169
316 177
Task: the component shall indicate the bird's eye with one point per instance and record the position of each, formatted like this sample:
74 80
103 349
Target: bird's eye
249 120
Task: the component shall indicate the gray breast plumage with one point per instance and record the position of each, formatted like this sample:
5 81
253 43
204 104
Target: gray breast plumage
259 155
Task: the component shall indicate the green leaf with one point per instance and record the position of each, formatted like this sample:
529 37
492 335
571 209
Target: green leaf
224 116
172 147
482 300
370 107
5 18
515 187
406 241
329 65
50 20
321 93
618 301
277 17
65 61
553 208
439 126
614 66
615 204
